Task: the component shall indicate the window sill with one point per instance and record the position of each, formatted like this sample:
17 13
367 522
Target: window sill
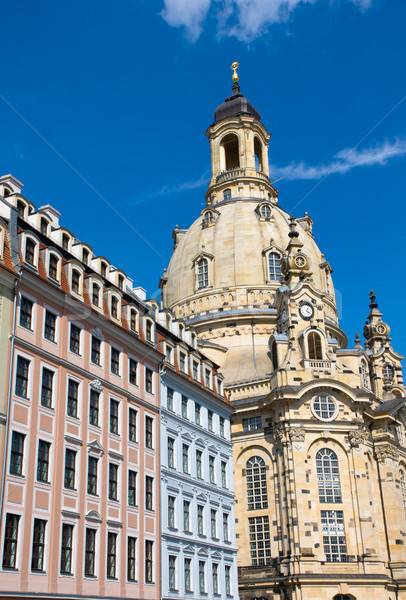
18 476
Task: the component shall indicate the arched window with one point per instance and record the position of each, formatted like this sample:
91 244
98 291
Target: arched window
103 269
20 209
95 294
229 152
6 192
75 281
265 211
133 320
328 476
403 489
30 252
274 354
120 282
208 218
274 261
65 241
256 483
114 307
388 372
227 194
85 256
202 273
258 155
314 346
365 375
44 226
53 267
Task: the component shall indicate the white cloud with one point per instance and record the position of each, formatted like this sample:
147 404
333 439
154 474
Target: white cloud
342 162
243 19
170 190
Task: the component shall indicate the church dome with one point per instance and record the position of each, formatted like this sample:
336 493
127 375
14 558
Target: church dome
234 105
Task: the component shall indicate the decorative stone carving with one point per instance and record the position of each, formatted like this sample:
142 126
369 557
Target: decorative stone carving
96 385
97 332
358 437
297 437
385 452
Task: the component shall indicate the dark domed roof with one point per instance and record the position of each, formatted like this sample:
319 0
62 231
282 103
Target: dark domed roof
236 104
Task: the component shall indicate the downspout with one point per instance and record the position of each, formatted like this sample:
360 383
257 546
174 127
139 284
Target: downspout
12 337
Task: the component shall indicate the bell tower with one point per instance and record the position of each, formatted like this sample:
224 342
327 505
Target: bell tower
239 151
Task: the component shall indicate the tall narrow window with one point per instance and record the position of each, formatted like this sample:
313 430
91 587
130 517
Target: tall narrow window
228 580
132 425
17 453
213 523
44 226
199 455
115 361
227 194
169 399
149 488
198 412
200 523
95 295
73 397
212 477
365 375
66 549
94 408
223 474
149 427
257 496
85 256
113 481
92 476
226 535
149 546
53 267
222 427
171 453
186 516
50 326
65 241
210 420
388 372
328 476
274 262
70 460
43 461
114 307
172 572
74 341
26 313
171 511
148 380
185 458
184 407
314 346
20 209
148 327
114 416
133 320
38 545
215 577
131 558
111 555
90 552
202 273
132 371
21 388
202 577
260 541
29 252
46 387
188 579
103 269
132 488
10 541
75 281
95 353
332 529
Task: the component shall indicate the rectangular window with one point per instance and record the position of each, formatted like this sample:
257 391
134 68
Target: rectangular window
132 488
252 424
17 453
43 461
132 371
226 535
149 497
38 545
70 460
95 352
207 374
74 341
131 558
188 579
332 528
148 327
200 528
22 377
90 552
73 395
26 313
132 425
185 458
228 579
149 423
171 453
111 555
30 252
212 478
171 511
210 420
202 577
184 407
50 326
149 546
92 475
148 380
182 362
195 369
115 361
223 474
113 481
113 416
213 523
215 577
66 549
169 399
186 515
94 408
172 572
198 410
10 542
222 433
168 353
260 541
199 455
46 387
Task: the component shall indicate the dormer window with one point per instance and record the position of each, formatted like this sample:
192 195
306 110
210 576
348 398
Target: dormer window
53 267
148 331
227 194
85 256
133 320
75 281
65 241
314 346
6 192
44 226
95 294
114 307
181 330
120 282
103 269
388 372
208 218
265 211
20 209
202 273
30 252
274 265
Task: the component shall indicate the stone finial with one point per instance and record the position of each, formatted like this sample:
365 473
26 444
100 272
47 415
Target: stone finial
372 296
357 341
292 226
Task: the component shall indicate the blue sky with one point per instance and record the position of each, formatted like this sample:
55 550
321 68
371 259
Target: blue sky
104 108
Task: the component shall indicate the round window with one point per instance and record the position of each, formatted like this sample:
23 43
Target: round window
324 407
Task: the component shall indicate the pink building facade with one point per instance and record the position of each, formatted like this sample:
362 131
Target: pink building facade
80 433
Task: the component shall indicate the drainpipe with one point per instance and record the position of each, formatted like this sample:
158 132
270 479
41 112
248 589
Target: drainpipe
12 337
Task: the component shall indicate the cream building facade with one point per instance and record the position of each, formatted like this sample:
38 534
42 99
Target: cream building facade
318 432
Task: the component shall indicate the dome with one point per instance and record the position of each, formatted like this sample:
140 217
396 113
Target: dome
234 105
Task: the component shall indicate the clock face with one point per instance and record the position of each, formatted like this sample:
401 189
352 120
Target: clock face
306 311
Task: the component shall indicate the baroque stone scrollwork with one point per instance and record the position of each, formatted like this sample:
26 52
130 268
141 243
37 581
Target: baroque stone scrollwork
386 451
297 437
357 438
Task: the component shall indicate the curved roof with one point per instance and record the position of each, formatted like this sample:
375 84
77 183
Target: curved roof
236 104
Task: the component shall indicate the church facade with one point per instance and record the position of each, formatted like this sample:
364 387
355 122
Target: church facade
318 430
